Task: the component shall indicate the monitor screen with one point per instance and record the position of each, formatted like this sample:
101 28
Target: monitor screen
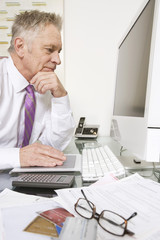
132 68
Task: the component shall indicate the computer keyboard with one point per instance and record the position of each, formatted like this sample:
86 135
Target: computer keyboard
96 162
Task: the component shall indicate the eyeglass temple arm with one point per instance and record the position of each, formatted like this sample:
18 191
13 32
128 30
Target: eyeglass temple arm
120 225
86 198
85 209
133 215
112 222
129 232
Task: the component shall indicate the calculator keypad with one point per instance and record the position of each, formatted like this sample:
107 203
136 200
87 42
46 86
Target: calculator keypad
48 180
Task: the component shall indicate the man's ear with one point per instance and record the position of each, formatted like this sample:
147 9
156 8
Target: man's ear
19 46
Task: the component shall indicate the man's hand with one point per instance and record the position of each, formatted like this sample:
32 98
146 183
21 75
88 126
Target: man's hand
38 154
44 81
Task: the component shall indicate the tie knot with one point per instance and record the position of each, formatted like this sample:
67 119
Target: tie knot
30 89
30 96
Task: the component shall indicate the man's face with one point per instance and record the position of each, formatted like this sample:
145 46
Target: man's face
43 54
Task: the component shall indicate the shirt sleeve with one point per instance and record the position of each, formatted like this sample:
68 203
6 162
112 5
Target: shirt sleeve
59 124
10 157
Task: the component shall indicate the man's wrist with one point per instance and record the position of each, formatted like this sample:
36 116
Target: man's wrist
58 95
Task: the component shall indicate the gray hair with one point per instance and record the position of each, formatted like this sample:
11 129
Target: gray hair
29 23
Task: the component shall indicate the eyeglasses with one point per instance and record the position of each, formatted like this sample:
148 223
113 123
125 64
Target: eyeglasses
110 221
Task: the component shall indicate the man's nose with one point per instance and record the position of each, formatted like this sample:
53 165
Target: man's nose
55 58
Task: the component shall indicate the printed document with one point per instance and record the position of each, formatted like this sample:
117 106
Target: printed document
131 194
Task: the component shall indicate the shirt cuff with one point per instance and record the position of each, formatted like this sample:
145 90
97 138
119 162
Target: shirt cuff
9 158
61 105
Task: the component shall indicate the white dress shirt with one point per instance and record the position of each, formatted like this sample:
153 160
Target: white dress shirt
53 124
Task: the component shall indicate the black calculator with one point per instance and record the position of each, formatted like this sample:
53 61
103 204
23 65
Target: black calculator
43 180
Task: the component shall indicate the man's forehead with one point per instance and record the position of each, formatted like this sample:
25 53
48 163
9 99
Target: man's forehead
49 30
50 38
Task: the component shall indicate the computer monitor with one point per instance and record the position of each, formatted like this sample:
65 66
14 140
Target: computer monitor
136 65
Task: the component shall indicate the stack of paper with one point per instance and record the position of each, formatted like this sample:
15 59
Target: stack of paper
131 194
27 217
20 217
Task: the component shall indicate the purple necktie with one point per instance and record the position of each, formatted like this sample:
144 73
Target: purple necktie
30 103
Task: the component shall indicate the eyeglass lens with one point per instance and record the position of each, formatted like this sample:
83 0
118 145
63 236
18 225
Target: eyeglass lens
112 223
84 209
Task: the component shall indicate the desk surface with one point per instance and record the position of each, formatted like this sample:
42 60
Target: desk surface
144 169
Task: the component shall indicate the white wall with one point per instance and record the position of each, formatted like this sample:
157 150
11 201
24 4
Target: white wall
92 32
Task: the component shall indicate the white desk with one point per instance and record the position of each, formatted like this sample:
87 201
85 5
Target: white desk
76 147
145 169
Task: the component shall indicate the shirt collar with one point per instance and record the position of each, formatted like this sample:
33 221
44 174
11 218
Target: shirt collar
17 79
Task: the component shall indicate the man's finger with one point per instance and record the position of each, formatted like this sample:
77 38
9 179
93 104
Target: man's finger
49 151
